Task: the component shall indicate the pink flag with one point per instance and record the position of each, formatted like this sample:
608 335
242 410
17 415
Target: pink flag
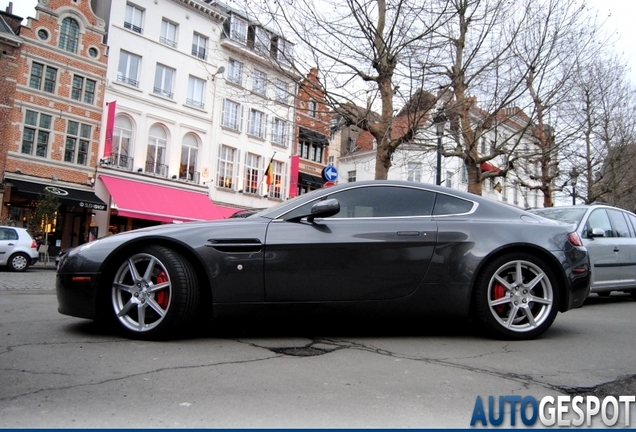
110 125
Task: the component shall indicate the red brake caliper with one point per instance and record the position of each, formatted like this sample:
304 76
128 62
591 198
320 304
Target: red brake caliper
498 292
162 296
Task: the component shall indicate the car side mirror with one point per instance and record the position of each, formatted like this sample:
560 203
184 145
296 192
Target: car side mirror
597 232
323 209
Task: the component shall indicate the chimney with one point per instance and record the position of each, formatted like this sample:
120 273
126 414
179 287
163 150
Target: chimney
10 8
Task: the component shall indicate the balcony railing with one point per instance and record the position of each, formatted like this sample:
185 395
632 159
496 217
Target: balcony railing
126 80
193 176
198 51
162 92
194 103
168 42
118 161
131 26
157 169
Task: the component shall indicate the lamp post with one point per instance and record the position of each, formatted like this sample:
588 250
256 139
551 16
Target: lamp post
440 123
574 176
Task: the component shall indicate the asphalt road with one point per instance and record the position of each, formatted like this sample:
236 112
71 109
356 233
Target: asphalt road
58 371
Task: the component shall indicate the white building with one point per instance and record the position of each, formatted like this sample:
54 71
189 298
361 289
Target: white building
196 111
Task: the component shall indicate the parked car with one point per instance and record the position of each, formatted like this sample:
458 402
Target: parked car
18 250
609 234
378 248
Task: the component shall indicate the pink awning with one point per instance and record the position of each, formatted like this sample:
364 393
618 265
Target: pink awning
162 203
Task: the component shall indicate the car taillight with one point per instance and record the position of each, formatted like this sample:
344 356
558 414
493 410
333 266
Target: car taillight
575 239
34 244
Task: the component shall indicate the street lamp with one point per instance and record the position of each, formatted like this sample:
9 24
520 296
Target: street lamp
440 123
574 176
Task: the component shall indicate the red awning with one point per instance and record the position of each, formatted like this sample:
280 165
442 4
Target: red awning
488 167
162 203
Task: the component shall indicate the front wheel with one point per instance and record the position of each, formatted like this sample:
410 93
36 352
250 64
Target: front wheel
154 293
516 296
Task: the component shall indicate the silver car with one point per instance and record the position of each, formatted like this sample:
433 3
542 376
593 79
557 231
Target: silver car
609 234
18 250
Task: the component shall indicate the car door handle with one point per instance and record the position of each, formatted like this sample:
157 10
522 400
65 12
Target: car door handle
616 249
11 244
408 233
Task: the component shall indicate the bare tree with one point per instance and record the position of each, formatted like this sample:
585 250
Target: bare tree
558 35
364 52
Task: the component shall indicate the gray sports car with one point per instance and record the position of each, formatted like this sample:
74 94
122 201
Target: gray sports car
376 248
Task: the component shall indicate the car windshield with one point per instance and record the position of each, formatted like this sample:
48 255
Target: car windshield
573 215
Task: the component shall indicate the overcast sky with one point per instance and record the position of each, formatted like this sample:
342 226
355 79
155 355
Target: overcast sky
620 18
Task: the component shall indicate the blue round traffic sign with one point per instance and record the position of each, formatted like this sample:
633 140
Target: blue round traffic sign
330 173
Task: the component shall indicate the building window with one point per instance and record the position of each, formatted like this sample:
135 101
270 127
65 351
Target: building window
133 19
276 182
128 69
278 132
83 89
259 82
238 29
309 151
231 115
281 50
312 108
281 91
225 167
235 72
164 77
189 155
168 33
256 123
35 138
515 193
351 176
122 143
464 174
43 77
78 137
156 151
69 35
252 172
504 189
414 172
196 90
199 46
449 179
261 40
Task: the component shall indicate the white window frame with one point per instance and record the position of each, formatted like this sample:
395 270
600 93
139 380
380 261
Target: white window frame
235 72
231 115
226 167
199 46
196 92
279 131
164 79
128 73
134 17
238 29
168 34
257 123
259 82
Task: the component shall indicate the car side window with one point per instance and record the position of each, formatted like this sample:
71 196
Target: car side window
632 220
377 201
619 222
384 201
598 219
8 234
448 205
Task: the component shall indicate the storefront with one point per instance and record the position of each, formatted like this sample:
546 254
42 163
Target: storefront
74 223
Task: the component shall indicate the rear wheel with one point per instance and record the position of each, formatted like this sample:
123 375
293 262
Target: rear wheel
19 262
154 293
516 296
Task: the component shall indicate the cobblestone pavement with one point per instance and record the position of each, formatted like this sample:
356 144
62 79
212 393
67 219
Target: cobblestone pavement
35 278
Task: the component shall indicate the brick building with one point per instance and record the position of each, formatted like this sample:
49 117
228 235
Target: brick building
312 146
51 132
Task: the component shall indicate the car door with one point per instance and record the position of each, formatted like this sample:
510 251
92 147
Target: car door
8 241
625 248
602 250
379 246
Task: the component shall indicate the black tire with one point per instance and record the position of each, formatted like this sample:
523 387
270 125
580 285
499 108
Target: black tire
516 311
153 294
19 262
